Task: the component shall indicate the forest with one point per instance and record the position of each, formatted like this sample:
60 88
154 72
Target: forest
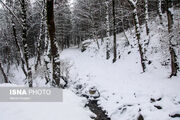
122 56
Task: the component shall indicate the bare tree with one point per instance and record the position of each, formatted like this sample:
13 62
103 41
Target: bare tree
138 35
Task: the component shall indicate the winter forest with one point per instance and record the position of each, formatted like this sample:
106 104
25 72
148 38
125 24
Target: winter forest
114 59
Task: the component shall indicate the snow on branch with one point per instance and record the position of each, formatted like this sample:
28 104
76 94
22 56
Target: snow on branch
9 9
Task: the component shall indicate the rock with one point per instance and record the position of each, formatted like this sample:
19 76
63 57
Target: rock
149 62
175 115
159 99
158 107
84 45
140 117
78 87
152 100
94 93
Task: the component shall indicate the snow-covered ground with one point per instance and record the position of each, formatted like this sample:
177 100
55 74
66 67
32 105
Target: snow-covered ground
125 91
72 108
122 85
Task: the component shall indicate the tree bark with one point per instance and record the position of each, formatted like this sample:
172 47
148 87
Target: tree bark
19 48
124 32
146 17
138 35
25 45
159 11
54 48
174 65
38 59
108 31
3 73
114 31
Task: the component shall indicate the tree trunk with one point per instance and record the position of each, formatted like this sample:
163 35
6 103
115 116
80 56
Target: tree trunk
24 38
9 3
3 73
138 35
159 11
19 48
146 17
47 52
38 59
114 32
124 32
108 31
96 40
102 38
174 65
54 48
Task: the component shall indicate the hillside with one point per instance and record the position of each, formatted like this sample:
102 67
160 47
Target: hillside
126 92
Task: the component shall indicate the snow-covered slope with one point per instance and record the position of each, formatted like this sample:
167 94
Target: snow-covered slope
125 91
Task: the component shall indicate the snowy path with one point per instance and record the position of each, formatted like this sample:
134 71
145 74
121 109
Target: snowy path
70 109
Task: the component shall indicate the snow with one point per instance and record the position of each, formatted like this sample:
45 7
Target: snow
123 79
9 85
126 92
70 109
